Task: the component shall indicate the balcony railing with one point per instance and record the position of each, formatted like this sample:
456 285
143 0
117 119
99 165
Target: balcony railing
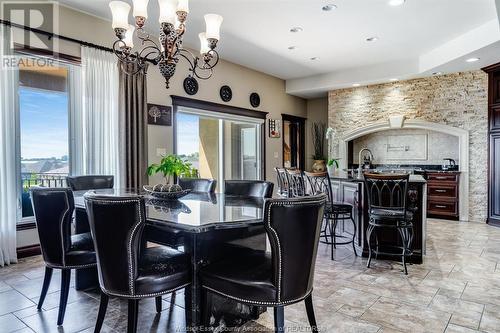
43 179
38 179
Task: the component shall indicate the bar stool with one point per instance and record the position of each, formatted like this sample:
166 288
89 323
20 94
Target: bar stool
319 182
296 183
281 182
388 208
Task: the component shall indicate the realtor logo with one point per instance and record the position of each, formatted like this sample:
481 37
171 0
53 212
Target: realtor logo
37 15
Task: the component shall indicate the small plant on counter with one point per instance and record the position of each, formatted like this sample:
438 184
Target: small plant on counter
333 161
172 165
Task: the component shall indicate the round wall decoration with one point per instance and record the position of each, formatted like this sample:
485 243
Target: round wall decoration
226 93
254 99
190 85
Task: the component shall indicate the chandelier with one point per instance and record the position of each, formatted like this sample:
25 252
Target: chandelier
166 54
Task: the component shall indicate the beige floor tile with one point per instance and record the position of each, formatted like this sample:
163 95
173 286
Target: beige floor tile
407 318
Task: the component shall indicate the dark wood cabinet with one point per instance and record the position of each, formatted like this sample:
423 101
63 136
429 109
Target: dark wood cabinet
493 144
442 194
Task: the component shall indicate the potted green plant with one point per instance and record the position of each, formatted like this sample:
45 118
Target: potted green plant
332 164
172 165
318 137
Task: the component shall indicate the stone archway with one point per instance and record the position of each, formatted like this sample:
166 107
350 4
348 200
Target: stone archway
398 122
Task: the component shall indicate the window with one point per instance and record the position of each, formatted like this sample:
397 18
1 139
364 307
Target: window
43 129
220 146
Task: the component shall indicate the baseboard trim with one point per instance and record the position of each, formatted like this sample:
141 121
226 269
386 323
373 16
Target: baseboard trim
493 222
28 251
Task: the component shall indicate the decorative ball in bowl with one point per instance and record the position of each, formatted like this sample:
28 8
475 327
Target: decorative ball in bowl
166 191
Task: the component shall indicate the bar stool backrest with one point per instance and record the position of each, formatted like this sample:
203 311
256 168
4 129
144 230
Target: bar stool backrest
281 180
387 191
296 183
319 182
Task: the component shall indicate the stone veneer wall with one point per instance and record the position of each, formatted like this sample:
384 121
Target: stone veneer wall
458 100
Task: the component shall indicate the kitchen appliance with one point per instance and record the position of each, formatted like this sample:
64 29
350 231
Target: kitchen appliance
449 164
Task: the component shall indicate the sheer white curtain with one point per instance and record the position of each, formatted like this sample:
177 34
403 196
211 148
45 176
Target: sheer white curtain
96 141
8 148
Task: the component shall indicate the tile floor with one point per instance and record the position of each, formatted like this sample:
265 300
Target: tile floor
456 290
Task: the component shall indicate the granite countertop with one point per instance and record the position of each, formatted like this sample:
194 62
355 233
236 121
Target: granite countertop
343 176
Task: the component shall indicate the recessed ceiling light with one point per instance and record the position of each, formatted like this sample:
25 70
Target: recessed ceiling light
296 29
372 39
314 58
437 73
394 80
472 59
396 2
329 7
356 85
293 47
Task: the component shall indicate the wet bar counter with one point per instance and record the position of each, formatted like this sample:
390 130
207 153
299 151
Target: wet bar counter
352 191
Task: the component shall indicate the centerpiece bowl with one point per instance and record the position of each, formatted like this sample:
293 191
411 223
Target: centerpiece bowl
166 192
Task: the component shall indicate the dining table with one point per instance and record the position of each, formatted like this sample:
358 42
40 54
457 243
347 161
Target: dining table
208 227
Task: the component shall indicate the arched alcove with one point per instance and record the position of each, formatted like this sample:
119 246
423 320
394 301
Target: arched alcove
398 122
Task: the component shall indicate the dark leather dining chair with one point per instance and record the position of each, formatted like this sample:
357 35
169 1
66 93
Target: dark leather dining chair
283 277
249 188
126 269
53 208
93 182
198 184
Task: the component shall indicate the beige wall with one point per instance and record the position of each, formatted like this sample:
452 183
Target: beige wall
458 100
317 111
242 81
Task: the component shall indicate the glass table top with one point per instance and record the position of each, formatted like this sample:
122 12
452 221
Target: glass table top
196 212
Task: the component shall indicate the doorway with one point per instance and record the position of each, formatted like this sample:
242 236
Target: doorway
293 145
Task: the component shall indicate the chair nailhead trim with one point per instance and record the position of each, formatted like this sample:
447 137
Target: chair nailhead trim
146 295
284 202
131 238
257 302
72 267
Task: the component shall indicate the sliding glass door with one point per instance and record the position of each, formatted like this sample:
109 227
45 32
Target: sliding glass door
220 146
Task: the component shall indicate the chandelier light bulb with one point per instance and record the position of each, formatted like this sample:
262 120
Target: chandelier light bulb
140 8
204 48
183 6
129 37
167 11
213 22
120 11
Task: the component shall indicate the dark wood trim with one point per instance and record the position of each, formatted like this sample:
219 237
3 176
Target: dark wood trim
25 226
491 68
302 143
28 251
24 49
292 117
216 107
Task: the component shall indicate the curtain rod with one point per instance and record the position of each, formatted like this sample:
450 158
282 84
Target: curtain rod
53 35
61 37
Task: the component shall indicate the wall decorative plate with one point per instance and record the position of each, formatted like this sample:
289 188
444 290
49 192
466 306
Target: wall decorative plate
190 85
226 93
254 99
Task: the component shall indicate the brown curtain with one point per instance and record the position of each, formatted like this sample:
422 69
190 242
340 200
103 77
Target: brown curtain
133 129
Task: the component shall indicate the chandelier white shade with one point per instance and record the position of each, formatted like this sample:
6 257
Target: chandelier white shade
120 11
167 11
140 8
204 48
213 22
183 6
172 19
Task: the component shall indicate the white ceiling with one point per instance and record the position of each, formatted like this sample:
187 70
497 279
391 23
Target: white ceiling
415 39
